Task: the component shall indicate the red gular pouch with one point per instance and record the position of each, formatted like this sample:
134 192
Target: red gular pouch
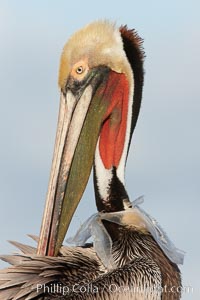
113 131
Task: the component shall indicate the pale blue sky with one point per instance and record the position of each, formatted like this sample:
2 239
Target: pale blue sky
164 158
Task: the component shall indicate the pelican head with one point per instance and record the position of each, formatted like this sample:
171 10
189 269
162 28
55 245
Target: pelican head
100 81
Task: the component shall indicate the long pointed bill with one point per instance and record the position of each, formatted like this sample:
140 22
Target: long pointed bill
79 124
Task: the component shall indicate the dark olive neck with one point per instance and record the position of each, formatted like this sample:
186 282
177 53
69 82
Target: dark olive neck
117 194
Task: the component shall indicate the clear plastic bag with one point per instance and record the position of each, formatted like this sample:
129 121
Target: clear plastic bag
132 217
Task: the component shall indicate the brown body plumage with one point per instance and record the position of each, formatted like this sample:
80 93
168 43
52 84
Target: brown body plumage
143 272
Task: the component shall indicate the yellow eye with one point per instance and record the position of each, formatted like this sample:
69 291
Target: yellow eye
80 70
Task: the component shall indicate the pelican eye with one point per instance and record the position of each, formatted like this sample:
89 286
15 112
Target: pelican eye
80 70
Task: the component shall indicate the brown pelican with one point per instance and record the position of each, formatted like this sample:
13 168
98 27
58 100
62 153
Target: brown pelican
100 80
